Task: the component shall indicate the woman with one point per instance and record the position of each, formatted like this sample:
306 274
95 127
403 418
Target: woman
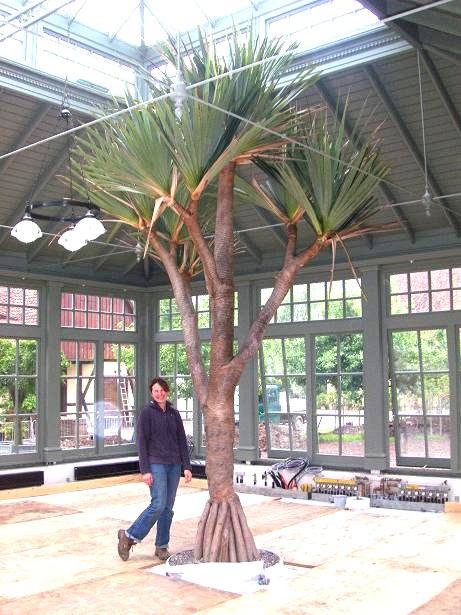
162 448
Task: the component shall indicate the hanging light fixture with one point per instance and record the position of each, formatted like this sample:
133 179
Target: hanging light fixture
26 230
81 216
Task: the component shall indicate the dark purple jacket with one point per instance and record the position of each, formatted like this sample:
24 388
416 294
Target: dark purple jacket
161 437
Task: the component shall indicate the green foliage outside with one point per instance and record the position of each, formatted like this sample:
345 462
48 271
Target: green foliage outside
18 384
345 437
420 367
18 368
127 357
339 367
174 367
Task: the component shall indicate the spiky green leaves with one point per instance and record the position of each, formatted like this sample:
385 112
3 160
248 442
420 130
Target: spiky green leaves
329 177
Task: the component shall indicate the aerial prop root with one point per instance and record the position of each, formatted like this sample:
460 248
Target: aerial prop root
223 534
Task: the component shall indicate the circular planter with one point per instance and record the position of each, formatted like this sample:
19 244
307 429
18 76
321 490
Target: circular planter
240 577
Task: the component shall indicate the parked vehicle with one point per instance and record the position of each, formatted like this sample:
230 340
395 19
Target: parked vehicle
273 409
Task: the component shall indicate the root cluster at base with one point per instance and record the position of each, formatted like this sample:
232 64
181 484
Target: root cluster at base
223 534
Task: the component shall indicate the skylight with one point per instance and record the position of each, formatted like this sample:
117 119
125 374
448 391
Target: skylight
319 20
160 18
317 23
58 46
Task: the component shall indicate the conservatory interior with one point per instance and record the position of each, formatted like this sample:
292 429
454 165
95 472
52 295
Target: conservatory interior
359 369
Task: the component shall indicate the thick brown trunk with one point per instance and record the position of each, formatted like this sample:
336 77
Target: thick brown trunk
223 534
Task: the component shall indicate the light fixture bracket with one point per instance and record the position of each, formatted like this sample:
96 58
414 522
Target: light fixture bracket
62 204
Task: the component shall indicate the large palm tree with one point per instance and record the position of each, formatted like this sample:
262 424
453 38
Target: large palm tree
173 178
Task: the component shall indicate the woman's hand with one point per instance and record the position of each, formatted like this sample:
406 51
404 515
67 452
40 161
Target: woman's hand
148 479
187 476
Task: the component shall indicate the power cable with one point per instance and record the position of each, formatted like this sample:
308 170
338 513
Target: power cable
34 20
417 9
285 137
195 85
427 196
72 19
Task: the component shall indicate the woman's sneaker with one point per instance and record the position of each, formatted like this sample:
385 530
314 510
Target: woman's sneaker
162 553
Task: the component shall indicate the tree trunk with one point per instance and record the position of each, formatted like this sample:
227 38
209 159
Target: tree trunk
223 534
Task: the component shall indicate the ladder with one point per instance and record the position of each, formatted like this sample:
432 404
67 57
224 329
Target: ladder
124 395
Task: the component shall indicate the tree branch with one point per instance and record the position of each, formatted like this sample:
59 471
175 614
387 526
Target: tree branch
180 284
209 266
283 282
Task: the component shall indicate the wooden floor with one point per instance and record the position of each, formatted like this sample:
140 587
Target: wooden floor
58 555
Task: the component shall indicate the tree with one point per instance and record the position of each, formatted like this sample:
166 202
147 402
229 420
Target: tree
17 384
169 171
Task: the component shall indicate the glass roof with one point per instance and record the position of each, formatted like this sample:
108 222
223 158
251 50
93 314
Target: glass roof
160 18
310 23
327 19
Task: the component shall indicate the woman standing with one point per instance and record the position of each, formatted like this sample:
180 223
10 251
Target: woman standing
162 448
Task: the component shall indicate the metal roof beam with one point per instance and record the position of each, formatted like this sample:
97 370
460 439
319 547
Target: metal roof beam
383 188
25 134
131 265
441 91
26 24
276 232
51 171
438 20
248 244
443 53
20 12
446 42
412 147
421 38
417 36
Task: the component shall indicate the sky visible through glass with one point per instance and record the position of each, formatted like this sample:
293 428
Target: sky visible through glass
310 23
160 17
329 19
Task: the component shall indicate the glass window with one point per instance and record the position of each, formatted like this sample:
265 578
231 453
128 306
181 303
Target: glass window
169 318
318 301
339 399
66 59
79 416
18 395
282 395
116 413
420 418
18 306
312 24
173 367
419 292
97 312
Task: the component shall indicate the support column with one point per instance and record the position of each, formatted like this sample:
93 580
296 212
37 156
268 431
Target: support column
248 447
50 382
374 373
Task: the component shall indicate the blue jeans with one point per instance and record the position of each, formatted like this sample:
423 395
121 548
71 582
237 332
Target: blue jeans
163 493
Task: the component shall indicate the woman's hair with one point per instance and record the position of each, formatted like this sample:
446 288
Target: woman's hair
161 382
